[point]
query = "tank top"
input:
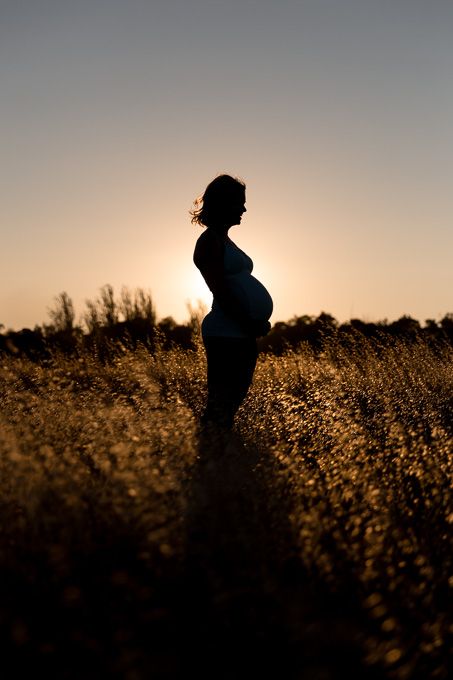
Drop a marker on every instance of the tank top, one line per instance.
(252, 294)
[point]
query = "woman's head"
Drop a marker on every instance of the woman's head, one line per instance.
(222, 203)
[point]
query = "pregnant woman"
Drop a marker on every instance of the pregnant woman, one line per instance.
(241, 305)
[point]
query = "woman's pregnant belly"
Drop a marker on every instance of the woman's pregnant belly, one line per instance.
(252, 294)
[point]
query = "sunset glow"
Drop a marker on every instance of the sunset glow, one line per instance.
(336, 115)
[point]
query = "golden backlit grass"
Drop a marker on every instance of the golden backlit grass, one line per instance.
(323, 523)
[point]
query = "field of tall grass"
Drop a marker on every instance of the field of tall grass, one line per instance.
(314, 542)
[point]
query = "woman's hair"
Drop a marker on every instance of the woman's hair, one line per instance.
(209, 208)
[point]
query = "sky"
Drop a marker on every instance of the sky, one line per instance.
(115, 115)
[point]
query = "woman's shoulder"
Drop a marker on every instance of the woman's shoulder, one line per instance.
(209, 244)
(209, 240)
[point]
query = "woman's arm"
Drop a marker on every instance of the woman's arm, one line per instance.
(208, 257)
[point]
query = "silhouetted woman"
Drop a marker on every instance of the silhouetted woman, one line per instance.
(241, 305)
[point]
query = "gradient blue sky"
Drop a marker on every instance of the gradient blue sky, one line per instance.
(337, 114)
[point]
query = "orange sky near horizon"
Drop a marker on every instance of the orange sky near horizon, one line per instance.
(336, 115)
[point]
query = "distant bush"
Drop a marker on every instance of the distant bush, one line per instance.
(111, 325)
(108, 327)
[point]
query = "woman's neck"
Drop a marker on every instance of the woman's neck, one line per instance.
(222, 231)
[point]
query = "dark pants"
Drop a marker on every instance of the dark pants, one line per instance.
(231, 363)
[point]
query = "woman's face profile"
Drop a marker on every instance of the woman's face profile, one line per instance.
(235, 210)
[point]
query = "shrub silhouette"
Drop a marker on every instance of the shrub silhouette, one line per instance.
(111, 325)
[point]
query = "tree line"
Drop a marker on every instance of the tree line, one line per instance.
(108, 325)
(111, 324)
